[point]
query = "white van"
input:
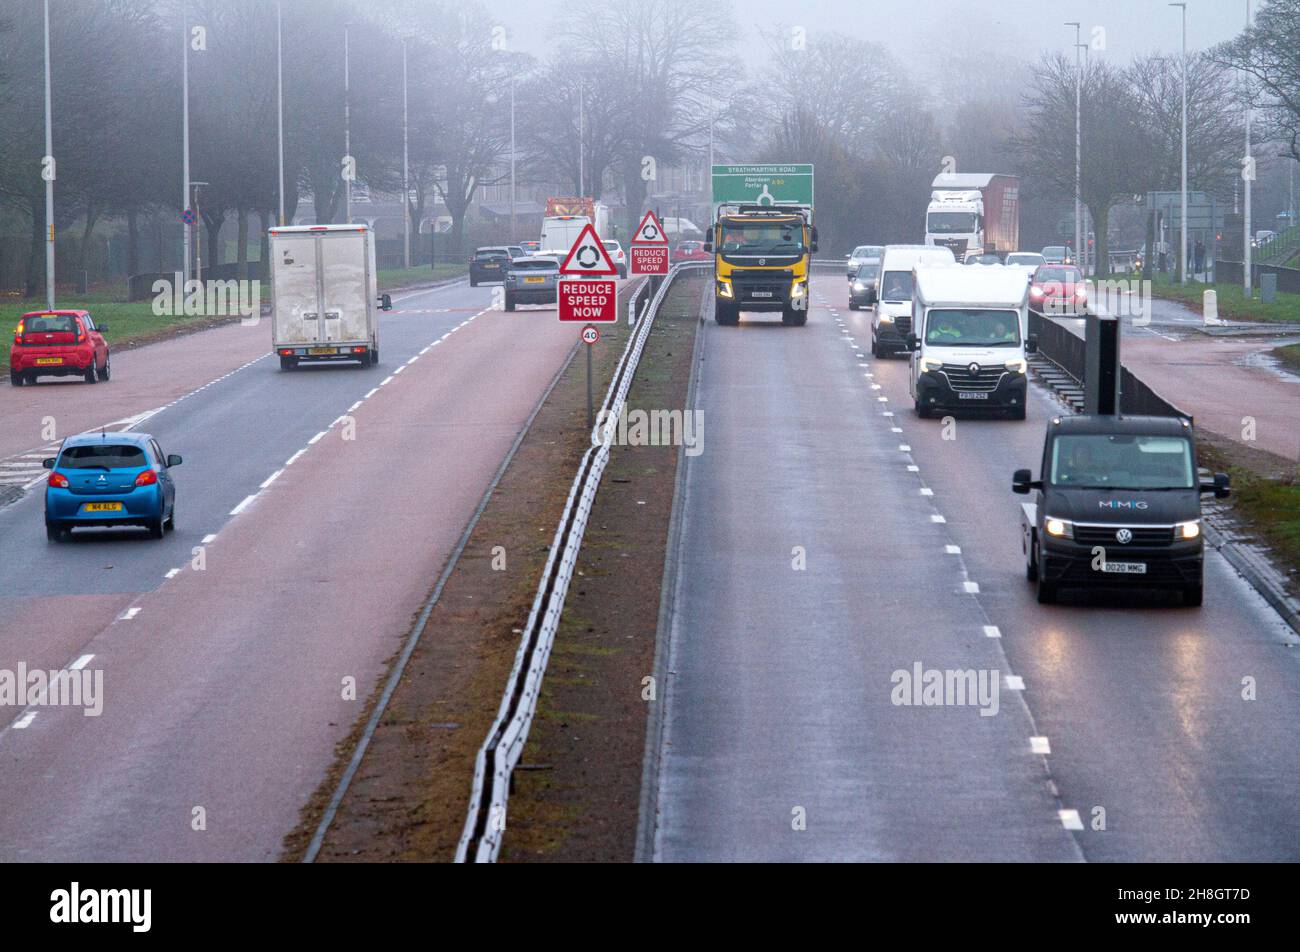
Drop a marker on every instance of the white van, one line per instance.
(891, 321)
(325, 295)
(969, 339)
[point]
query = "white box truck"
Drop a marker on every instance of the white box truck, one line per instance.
(325, 294)
(970, 339)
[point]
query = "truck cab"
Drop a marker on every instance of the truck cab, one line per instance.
(1117, 504)
(969, 340)
(762, 255)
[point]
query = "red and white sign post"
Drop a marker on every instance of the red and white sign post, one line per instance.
(650, 247)
(587, 293)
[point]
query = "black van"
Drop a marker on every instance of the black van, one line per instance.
(1118, 504)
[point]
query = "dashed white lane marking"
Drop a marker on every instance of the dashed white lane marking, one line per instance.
(317, 438)
(935, 517)
(992, 631)
(210, 538)
(292, 459)
(896, 429)
(927, 491)
(904, 448)
(371, 394)
(1070, 819)
(398, 370)
(129, 613)
(414, 359)
(952, 550)
(353, 408)
(1039, 745)
(971, 588)
(248, 500)
(882, 399)
(172, 573)
(386, 381)
(888, 413)
(272, 478)
(913, 468)
(1013, 682)
(25, 720)
(81, 662)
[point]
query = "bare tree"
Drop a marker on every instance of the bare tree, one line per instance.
(1267, 53)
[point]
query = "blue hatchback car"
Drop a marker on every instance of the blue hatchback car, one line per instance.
(110, 479)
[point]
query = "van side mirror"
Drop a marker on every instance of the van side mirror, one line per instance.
(48, 463)
(708, 247)
(385, 302)
(1031, 344)
(913, 343)
(1221, 487)
(1022, 481)
(814, 247)
(174, 460)
(872, 296)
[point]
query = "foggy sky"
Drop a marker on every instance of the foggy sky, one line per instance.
(916, 29)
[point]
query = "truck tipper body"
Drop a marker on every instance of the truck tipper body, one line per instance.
(325, 294)
(974, 212)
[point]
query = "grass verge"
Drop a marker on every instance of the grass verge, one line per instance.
(1289, 357)
(1233, 303)
(405, 277)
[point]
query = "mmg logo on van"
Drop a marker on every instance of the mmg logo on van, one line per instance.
(74, 905)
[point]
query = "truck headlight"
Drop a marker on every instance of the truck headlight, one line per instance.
(1017, 366)
(1060, 528)
(799, 289)
(1188, 530)
(929, 365)
(724, 289)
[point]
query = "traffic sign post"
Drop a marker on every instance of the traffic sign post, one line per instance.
(586, 293)
(590, 334)
(763, 184)
(649, 247)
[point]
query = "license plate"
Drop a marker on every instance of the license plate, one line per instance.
(762, 294)
(534, 280)
(320, 351)
(1124, 568)
(49, 360)
(973, 396)
(101, 507)
(491, 267)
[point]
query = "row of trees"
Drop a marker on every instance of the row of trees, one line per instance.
(659, 79)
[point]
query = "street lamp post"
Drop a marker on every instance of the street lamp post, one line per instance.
(279, 99)
(1248, 175)
(406, 172)
(582, 170)
(1078, 142)
(198, 236)
(185, 136)
(48, 172)
(347, 126)
(1182, 242)
(512, 158)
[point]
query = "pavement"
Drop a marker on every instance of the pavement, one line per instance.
(314, 510)
(1124, 729)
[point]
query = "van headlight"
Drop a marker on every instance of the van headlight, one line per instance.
(859, 286)
(929, 365)
(1188, 530)
(724, 289)
(1017, 366)
(1059, 528)
(886, 318)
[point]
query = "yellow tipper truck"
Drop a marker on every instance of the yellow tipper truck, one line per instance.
(762, 248)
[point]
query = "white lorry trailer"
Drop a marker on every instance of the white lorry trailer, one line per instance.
(325, 294)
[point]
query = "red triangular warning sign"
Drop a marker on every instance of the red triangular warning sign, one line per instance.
(588, 256)
(650, 231)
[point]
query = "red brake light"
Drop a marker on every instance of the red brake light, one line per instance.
(147, 478)
(58, 480)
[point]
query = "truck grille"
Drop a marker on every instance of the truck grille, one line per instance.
(1142, 535)
(770, 285)
(985, 379)
(903, 325)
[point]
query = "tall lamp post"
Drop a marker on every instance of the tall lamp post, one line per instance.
(48, 172)
(1248, 174)
(406, 172)
(198, 236)
(347, 126)
(185, 136)
(512, 158)
(1078, 142)
(279, 99)
(1182, 242)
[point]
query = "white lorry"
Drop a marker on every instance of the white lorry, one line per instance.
(891, 299)
(566, 217)
(969, 339)
(325, 294)
(974, 213)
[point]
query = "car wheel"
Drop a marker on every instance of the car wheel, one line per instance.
(1194, 595)
(922, 412)
(16, 378)
(108, 369)
(90, 372)
(1047, 591)
(157, 529)
(875, 347)
(473, 283)
(1031, 567)
(54, 533)
(170, 524)
(852, 306)
(510, 303)
(1017, 412)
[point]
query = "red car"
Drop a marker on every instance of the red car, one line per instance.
(58, 344)
(690, 251)
(1058, 289)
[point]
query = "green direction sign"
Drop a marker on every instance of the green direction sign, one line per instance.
(763, 184)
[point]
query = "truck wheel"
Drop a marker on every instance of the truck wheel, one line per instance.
(364, 359)
(726, 314)
(1194, 595)
(288, 363)
(852, 306)
(793, 318)
(374, 355)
